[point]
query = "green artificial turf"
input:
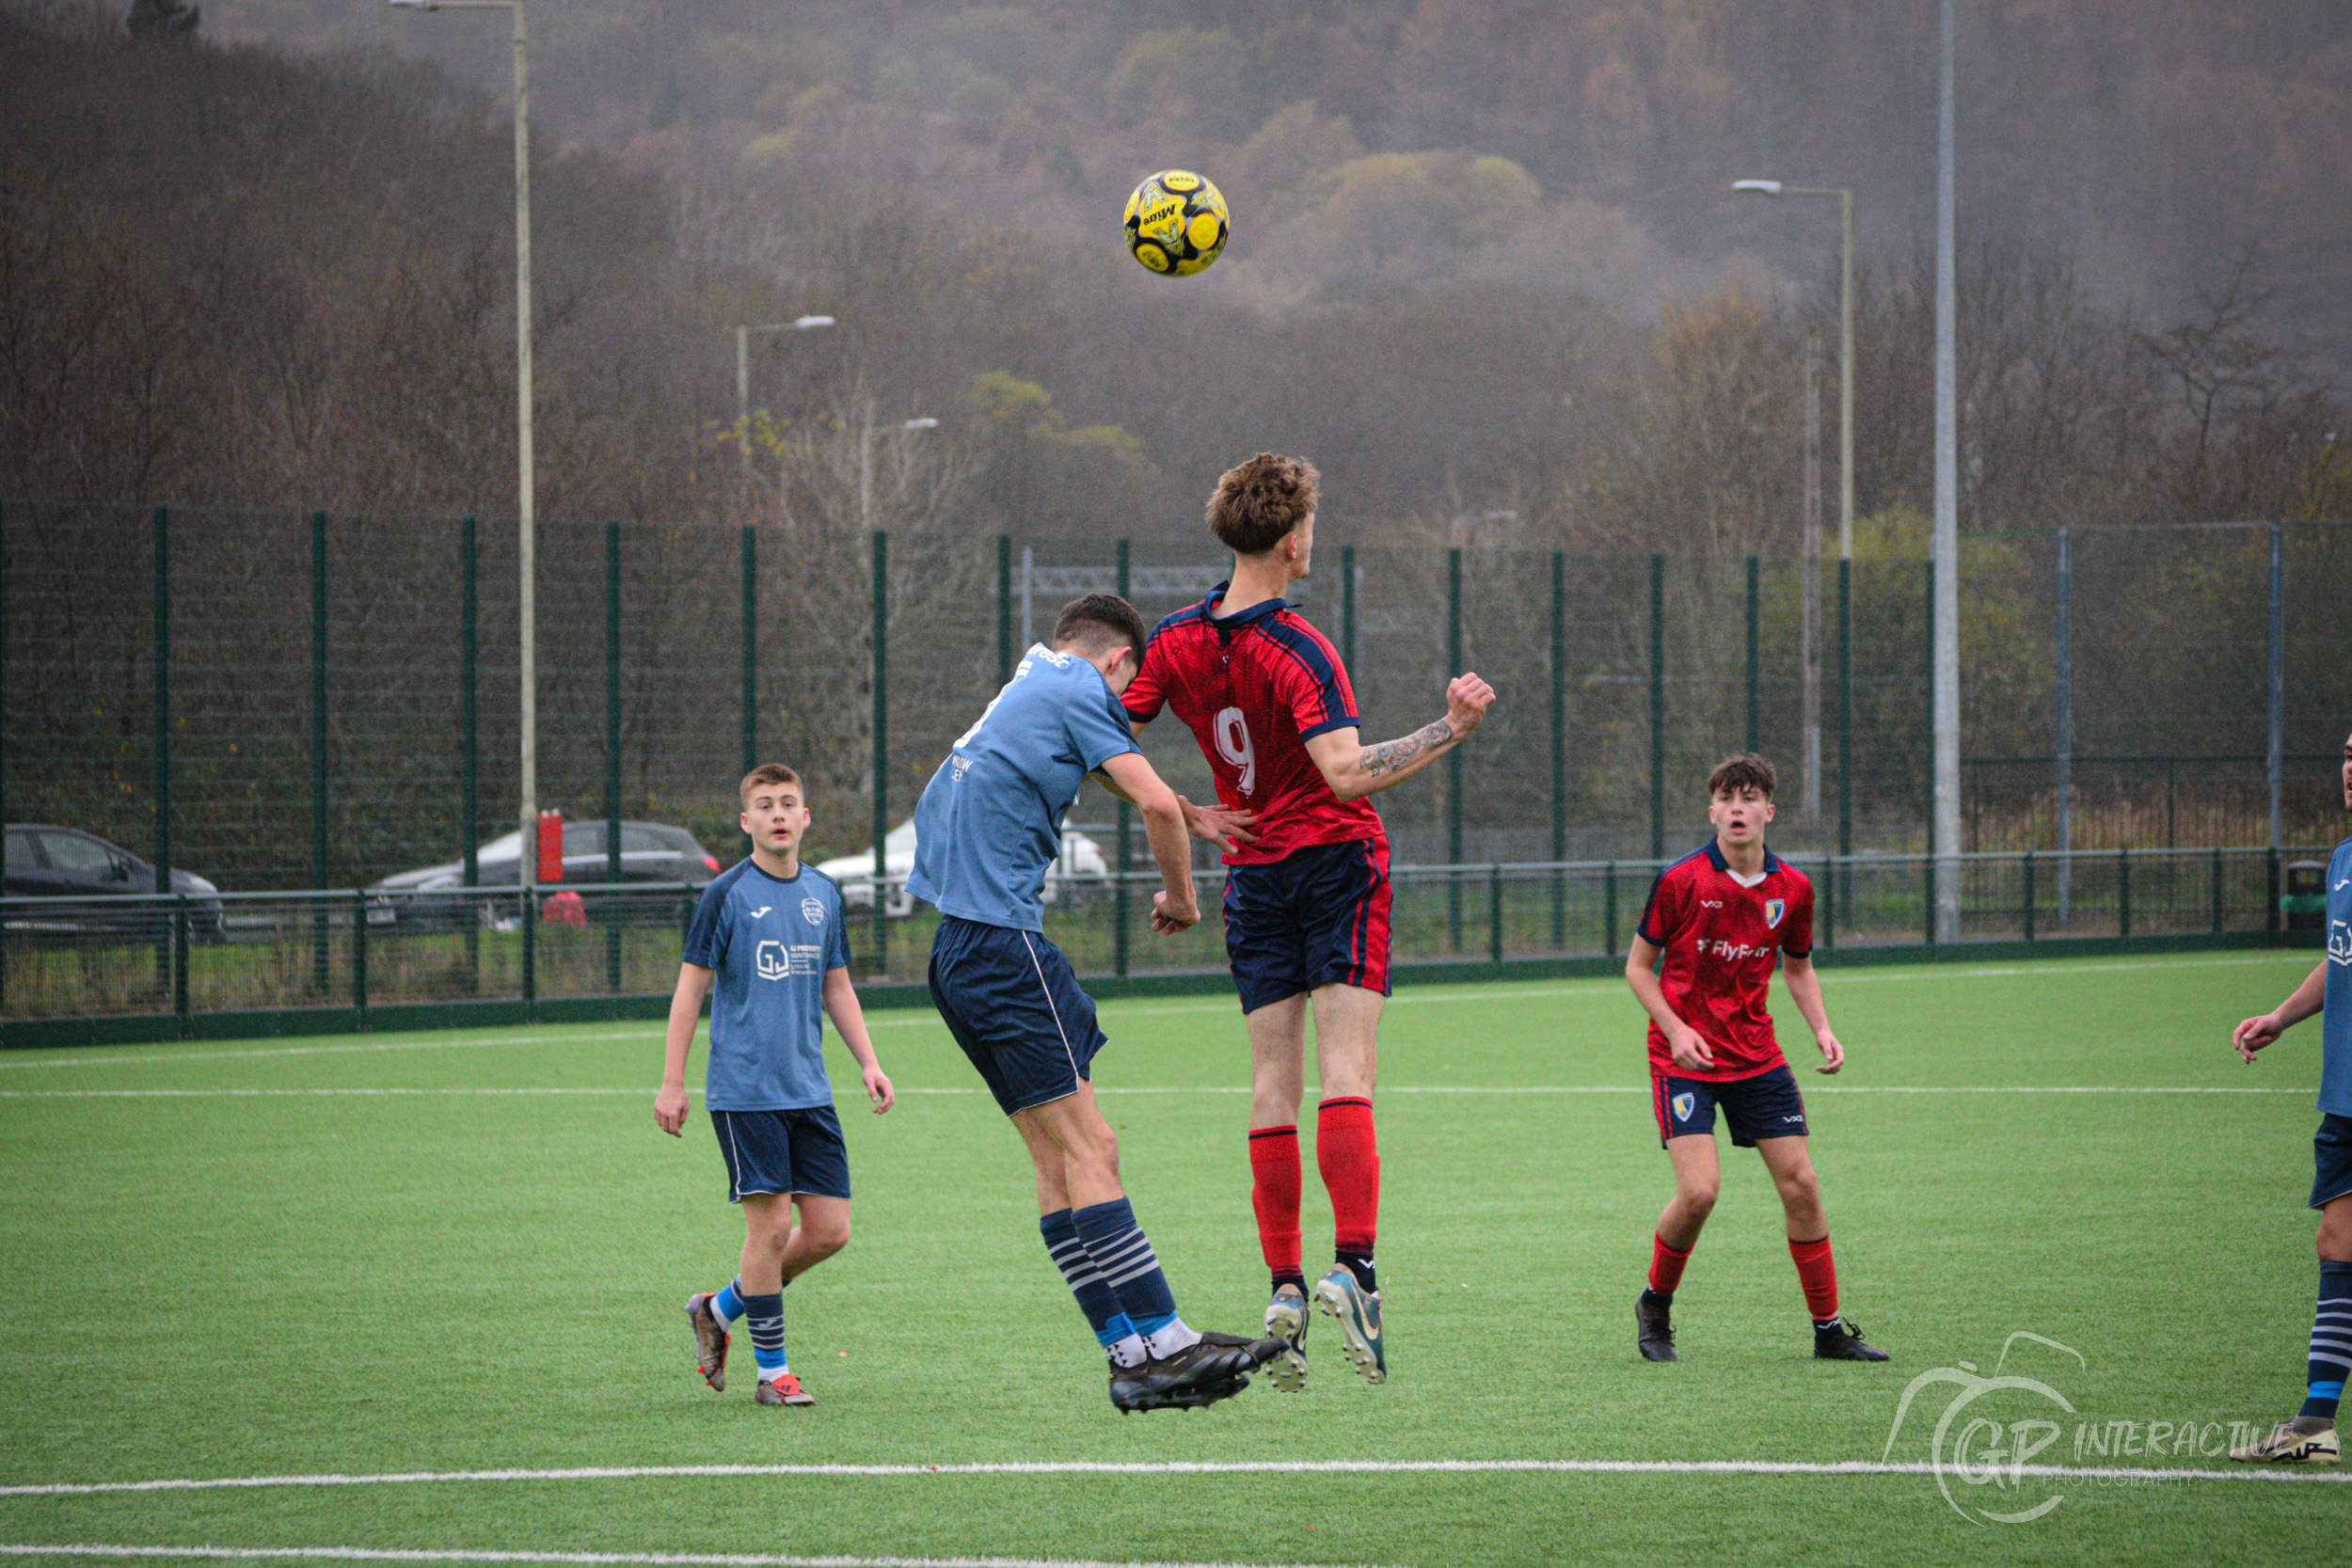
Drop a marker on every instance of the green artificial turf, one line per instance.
(204, 1284)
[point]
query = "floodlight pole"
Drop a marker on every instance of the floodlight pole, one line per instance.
(1947, 552)
(526, 551)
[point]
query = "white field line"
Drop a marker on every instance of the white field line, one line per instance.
(1171, 1468)
(1211, 1088)
(1598, 987)
(660, 1559)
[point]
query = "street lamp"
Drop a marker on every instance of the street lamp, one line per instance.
(743, 374)
(1845, 479)
(866, 463)
(527, 485)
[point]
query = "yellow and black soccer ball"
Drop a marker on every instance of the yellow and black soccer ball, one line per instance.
(1176, 223)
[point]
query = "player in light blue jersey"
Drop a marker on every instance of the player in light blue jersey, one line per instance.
(988, 826)
(767, 946)
(2309, 1438)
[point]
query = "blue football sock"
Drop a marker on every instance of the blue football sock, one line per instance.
(1095, 1296)
(727, 1305)
(764, 1315)
(2331, 1342)
(1122, 1254)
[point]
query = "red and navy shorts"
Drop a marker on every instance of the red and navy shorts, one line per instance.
(1317, 915)
(1765, 1106)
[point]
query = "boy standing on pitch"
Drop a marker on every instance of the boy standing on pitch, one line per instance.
(769, 935)
(1720, 917)
(1307, 879)
(2309, 1437)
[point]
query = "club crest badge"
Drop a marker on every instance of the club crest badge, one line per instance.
(812, 912)
(1682, 1103)
(1774, 910)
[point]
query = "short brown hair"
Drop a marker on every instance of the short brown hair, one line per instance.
(1259, 501)
(1094, 622)
(769, 773)
(1748, 770)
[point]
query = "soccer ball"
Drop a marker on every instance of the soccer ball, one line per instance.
(1176, 223)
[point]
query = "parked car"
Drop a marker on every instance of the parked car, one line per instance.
(1081, 862)
(650, 852)
(66, 864)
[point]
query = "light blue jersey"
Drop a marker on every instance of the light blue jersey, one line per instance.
(990, 821)
(2335, 1023)
(771, 943)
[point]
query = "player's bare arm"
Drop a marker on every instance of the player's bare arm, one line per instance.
(2265, 1028)
(686, 1011)
(1689, 1048)
(1804, 989)
(849, 1019)
(1354, 771)
(1216, 825)
(1174, 908)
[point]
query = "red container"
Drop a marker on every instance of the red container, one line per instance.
(550, 847)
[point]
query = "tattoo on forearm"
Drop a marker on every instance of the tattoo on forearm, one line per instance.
(1391, 756)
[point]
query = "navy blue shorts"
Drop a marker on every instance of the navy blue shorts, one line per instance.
(1765, 1106)
(2332, 1159)
(1317, 915)
(1012, 1003)
(783, 1151)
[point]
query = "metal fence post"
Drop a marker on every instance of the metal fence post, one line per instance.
(1827, 935)
(2029, 898)
(1755, 715)
(1657, 708)
(470, 763)
(1927, 892)
(162, 715)
(167, 947)
(1845, 720)
(1453, 757)
(2278, 685)
(179, 961)
(750, 655)
(2270, 897)
(1927, 708)
(2217, 890)
(1493, 913)
(528, 902)
(318, 748)
(2063, 771)
(613, 753)
(1347, 609)
(881, 759)
(1003, 609)
(1559, 749)
(4, 685)
(360, 954)
(1609, 908)
(2124, 892)
(1127, 838)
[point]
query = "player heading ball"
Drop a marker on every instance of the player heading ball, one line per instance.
(1720, 918)
(1305, 883)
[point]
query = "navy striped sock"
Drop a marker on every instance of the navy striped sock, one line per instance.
(1123, 1255)
(764, 1317)
(2331, 1342)
(1096, 1299)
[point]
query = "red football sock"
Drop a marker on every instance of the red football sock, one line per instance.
(1274, 1184)
(1665, 1266)
(1349, 1158)
(1818, 1276)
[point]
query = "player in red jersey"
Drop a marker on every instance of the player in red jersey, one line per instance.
(1307, 879)
(1720, 916)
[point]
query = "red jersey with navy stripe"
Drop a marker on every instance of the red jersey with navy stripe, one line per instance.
(1255, 687)
(1722, 940)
